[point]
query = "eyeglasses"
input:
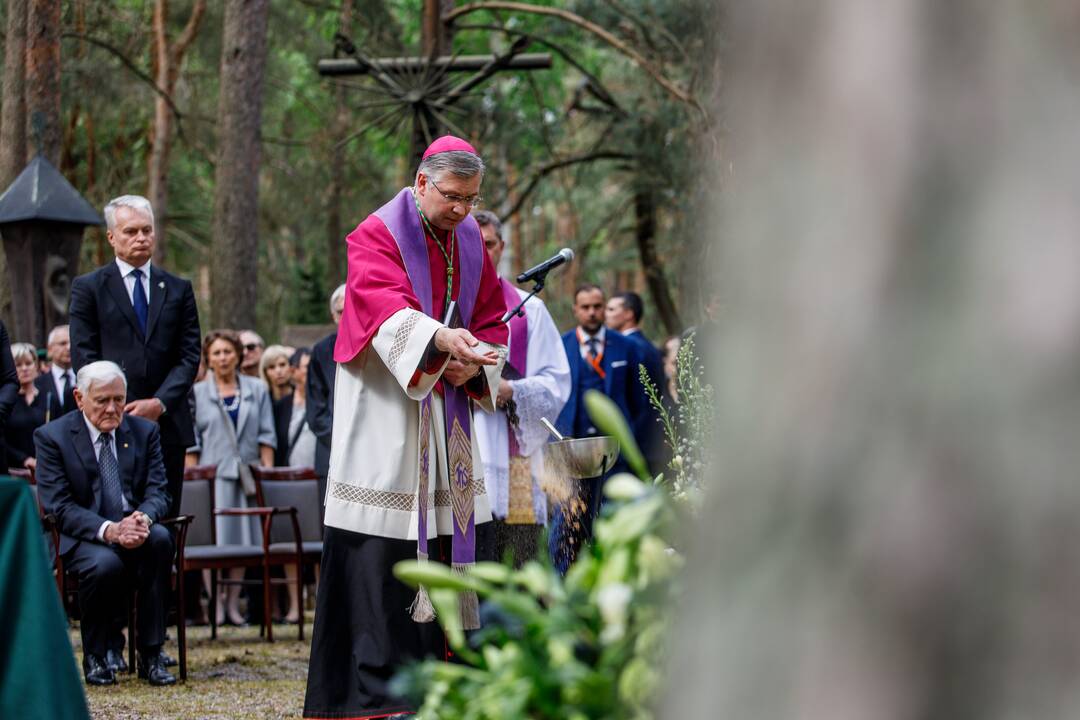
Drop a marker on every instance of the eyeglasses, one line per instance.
(251, 347)
(471, 202)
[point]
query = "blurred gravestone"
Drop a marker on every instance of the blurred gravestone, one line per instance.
(894, 524)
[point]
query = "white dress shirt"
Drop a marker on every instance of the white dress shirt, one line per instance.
(129, 279)
(94, 435)
(67, 377)
(583, 341)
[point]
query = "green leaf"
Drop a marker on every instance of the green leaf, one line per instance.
(630, 523)
(436, 575)
(624, 486)
(609, 418)
(492, 572)
(447, 610)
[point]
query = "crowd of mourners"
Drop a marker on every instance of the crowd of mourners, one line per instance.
(227, 399)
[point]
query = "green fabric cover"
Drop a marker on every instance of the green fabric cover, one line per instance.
(39, 676)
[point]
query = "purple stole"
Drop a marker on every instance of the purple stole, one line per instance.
(401, 218)
(520, 492)
(519, 343)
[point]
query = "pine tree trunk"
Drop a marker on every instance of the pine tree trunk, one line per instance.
(12, 122)
(161, 136)
(651, 264)
(335, 239)
(893, 516)
(167, 59)
(234, 273)
(13, 117)
(43, 79)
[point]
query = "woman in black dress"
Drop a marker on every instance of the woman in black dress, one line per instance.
(30, 411)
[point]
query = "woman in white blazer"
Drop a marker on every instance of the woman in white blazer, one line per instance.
(234, 425)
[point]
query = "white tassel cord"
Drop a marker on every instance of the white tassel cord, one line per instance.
(468, 601)
(421, 610)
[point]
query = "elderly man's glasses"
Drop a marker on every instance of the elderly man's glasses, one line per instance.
(471, 201)
(251, 347)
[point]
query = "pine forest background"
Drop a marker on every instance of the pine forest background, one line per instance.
(600, 153)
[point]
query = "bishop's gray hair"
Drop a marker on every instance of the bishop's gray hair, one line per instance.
(456, 162)
(102, 371)
(135, 202)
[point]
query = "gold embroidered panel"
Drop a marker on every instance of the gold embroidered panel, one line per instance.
(392, 500)
(401, 339)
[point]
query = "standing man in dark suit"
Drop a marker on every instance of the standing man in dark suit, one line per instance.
(58, 383)
(9, 389)
(623, 313)
(145, 320)
(600, 359)
(320, 391)
(102, 476)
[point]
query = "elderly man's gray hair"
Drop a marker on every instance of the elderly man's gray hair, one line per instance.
(135, 202)
(458, 162)
(102, 371)
(337, 296)
(55, 333)
(485, 218)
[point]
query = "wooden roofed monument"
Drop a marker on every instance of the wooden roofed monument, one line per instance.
(42, 219)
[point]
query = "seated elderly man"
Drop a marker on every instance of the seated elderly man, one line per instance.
(101, 474)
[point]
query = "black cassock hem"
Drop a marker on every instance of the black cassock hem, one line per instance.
(363, 631)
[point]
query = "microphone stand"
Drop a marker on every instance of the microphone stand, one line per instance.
(520, 309)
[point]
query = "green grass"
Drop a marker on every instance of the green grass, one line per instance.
(239, 675)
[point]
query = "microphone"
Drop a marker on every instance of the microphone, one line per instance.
(540, 271)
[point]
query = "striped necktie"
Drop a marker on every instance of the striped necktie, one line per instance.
(112, 494)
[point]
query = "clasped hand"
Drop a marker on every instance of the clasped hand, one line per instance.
(464, 362)
(131, 532)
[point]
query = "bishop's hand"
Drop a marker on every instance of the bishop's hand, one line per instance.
(459, 342)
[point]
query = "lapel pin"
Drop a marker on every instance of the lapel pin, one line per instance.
(161, 284)
(125, 446)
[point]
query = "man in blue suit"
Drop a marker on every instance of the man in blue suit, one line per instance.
(144, 319)
(57, 384)
(600, 359)
(102, 476)
(320, 393)
(623, 313)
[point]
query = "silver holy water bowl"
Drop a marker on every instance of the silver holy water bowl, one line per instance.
(581, 458)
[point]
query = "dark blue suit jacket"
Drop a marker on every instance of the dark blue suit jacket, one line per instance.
(9, 390)
(650, 358)
(163, 363)
(320, 399)
(58, 406)
(653, 445)
(620, 364)
(69, 484)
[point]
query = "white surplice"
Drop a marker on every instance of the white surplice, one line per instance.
(541, 393)
(374, 469)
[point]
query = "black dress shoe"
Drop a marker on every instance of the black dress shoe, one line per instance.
(115, 660)
(96, 671)
(168, 659)
(152, 669)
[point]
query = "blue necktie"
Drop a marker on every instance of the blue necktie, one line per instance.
(112, 494)
(138, 300)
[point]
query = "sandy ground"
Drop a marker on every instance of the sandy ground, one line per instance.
(238, 675)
